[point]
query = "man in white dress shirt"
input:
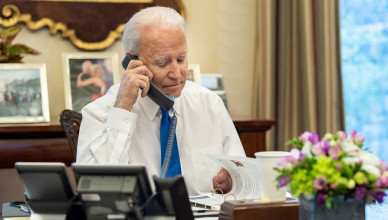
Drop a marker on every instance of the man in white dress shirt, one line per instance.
(123, 126)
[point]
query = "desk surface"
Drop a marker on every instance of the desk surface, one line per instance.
(11, 189)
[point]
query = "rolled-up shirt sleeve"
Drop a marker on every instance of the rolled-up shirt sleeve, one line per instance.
(106, 141)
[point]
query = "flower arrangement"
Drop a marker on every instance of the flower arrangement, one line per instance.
(331, 166)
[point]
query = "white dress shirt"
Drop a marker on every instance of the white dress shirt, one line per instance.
(114, 135)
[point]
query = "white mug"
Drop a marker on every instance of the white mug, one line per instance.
(267, 161)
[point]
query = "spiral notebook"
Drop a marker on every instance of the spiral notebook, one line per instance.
(245, 176)
(14, 213)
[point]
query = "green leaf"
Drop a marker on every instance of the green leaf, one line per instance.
(295, 141)
(15, 50)
(346, 171)
(25, 49)
(10, 32)
(12, 53)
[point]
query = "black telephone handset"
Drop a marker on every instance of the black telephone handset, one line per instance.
(154, 93)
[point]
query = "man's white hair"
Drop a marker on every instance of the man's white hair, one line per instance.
(159, 17)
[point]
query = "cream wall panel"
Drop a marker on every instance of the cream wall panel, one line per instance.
(220, 36)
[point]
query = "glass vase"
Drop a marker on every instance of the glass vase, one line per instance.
(342, 208)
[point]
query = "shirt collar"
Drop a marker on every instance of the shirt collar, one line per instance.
(149, 106)
(152, 109)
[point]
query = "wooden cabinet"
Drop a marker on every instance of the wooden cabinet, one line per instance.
(48, 143)
(42, 142)
(253, 134)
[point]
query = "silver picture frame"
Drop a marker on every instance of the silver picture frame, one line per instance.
(88, 76)
(193, 73)
(23, 93)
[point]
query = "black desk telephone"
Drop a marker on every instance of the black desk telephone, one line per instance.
(154, 93)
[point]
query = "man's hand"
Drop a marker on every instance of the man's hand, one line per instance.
(222, 181)
(136, 76)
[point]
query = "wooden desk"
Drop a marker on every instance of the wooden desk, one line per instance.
(248, 209)
(48, 143)
(11, 188)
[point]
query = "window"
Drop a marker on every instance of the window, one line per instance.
(364, 50)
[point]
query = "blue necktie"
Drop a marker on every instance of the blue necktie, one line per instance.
(174, 165)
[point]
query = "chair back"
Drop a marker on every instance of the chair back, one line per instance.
(70, 122)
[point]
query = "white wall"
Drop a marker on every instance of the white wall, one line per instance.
(220, 36)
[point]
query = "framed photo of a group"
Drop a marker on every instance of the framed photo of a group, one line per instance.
(88, 76)
(23, 93)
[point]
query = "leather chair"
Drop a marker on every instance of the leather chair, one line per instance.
(70, 122)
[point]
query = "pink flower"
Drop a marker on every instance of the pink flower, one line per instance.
(353, 133)
(383, 166)
(338, 166)
(301, 156)
(305, 136)
(284, 180)
(321, 148)
(320, 183)
(382, 182)
(333, 186)
(341, 135)
(311, 137)
(335, 151)
(314, 138)
(358, 138)
(283, 161)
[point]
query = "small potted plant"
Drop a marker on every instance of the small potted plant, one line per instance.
(332, 176)
(13, 53)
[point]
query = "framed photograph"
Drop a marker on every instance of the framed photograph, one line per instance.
(212, 81)
(88, 76)
(215, 82)
(193, 73)
(23, 93)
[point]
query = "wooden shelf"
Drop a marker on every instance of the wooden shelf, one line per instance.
(44, 142)
(47, 142)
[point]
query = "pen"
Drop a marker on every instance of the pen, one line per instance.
(21, 205)
(199, 205)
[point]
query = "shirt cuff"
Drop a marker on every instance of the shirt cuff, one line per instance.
(121, 119)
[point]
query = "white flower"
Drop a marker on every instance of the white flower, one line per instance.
(369, 162)
(371, 169)
(351, 160)
(295, 153)
(350, 148)
(306, 150)
(369, 158)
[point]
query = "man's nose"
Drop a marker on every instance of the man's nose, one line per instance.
(175, 71)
